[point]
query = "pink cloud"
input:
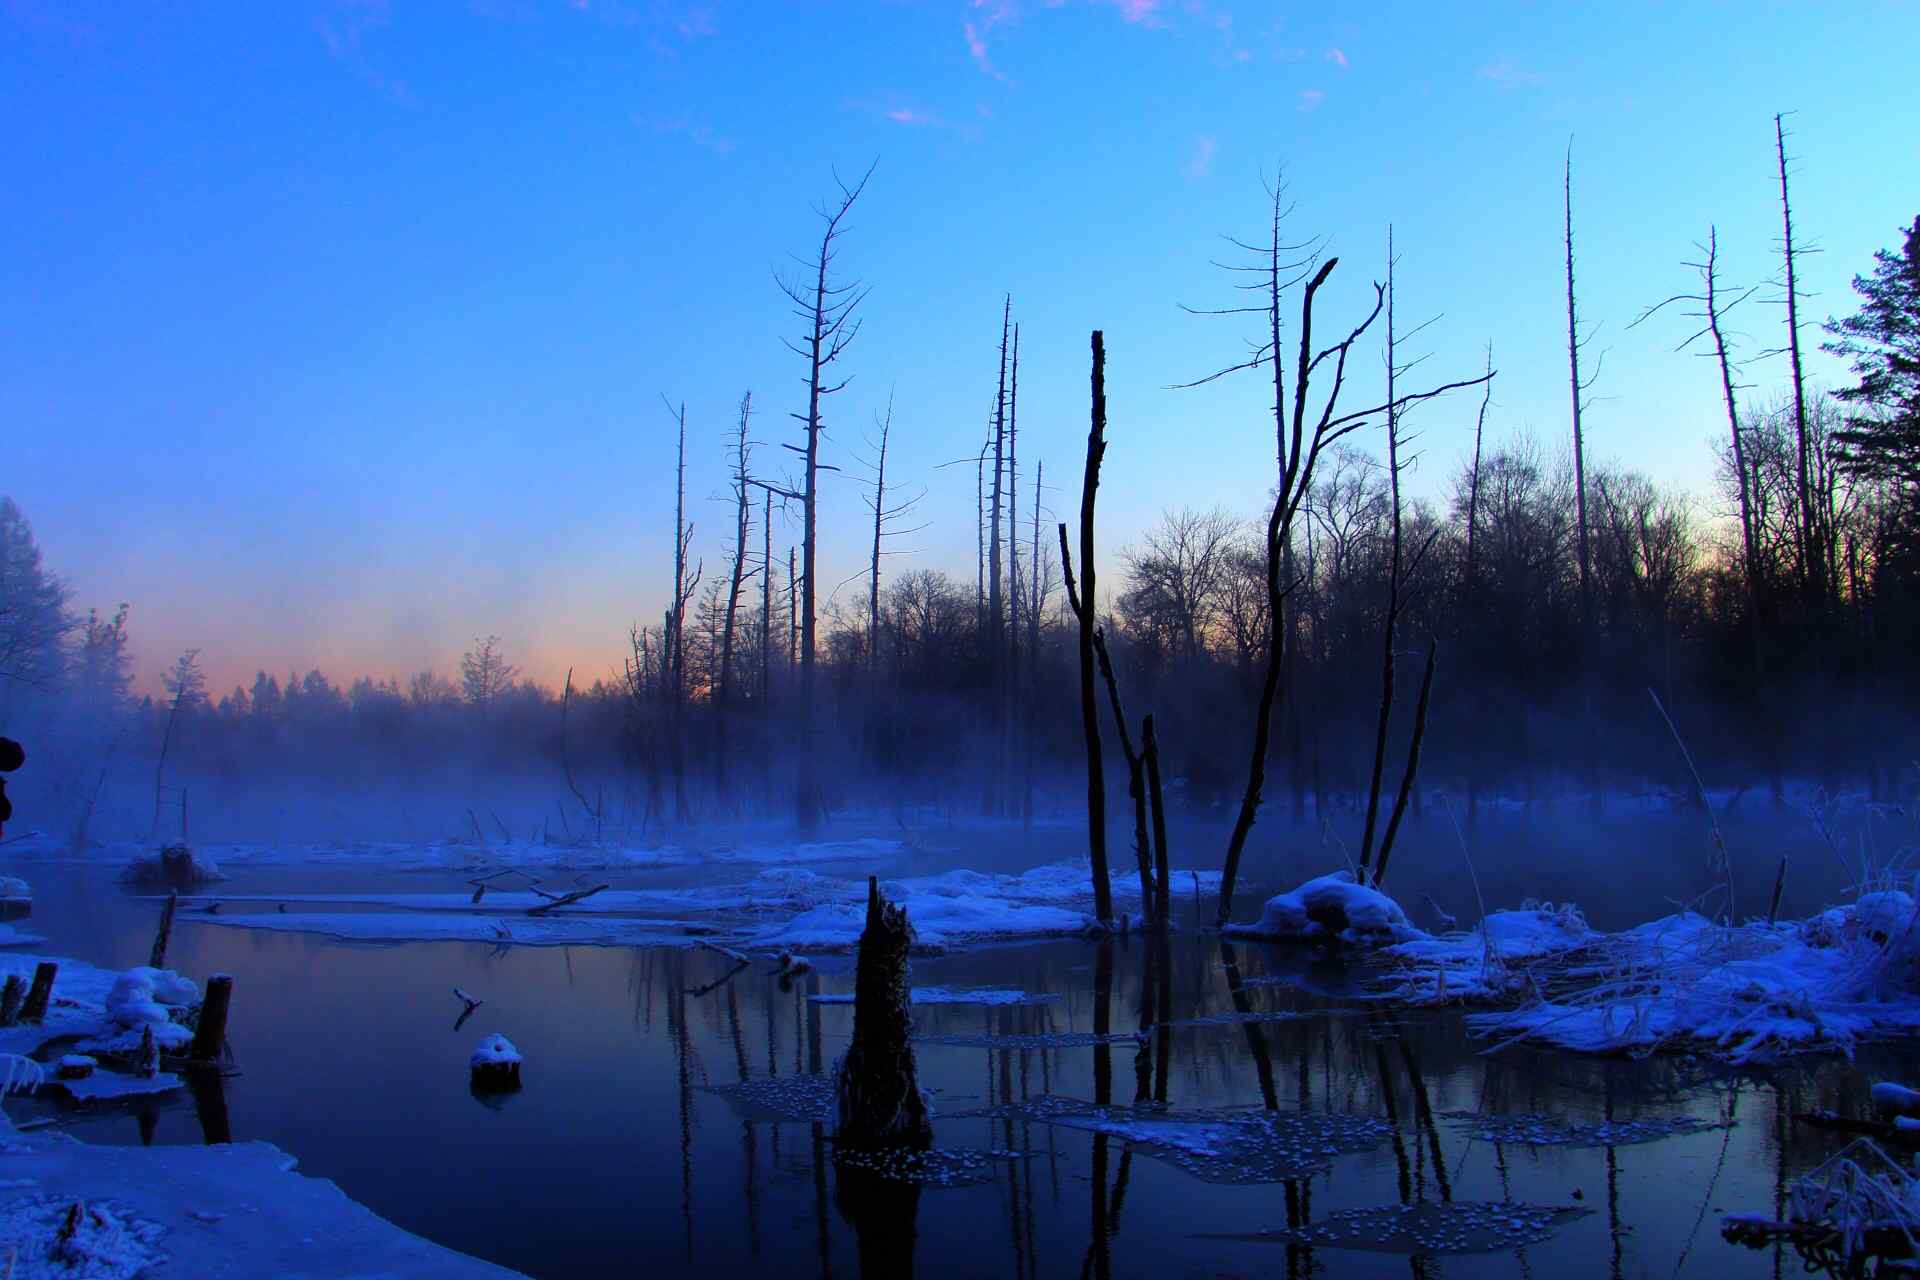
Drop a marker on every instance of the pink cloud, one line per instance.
(911, 117)
(1337, 57)
(1136, 11)
(1311, 98)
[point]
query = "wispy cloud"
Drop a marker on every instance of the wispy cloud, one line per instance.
(987, 21)
(1502, 72)
(912, 117)
(1141, 12)
(1310, 99)
(1200, 158)
(1338, 57)
(343, 27)
(700, 135)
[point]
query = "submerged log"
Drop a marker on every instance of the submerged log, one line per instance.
(878, 1089)
(159, 958)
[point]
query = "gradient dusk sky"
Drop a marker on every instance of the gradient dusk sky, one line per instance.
(335, 334)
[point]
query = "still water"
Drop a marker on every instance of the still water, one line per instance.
(627, 1151)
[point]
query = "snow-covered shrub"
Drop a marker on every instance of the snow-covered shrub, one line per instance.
(1332, 908)
(174, 867)
(143, 997)
(19, 1074)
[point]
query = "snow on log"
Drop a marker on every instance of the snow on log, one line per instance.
(495, 1065)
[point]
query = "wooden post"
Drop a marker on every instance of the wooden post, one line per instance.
(12, 992)
(39, 993)
(211, 1037)
(159, 957)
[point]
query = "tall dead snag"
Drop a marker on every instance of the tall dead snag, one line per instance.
(674, 658)
(1413, 764)
(1301, 438)
(1162, 886)
(877, 1091)
(1083, 601)
(884, 518)
(1040, 584)
(1473, 477)
(1812, 555)
(1399, 572)
(1136, 774)
(996, 598)
(742, 528)
(827, 310)
(1010, 691)
(1712, 307)
(1579, 389)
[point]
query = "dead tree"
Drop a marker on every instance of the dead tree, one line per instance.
(1040, 585)
(1579, 390)
(996, 600)
(566, 764)
(1011, 687)
(1408, 777)
(187, 685)
(827, 309)
(674, 659)
(1473, 477)
(1084, 602)
(766, 600)
(884, 517)
(742, 527)
(1136, 774)
(1301, 438)
(1811, 553)
(877, 1090)
(1398, 574)
(1711, 310)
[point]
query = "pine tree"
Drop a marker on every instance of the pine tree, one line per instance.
(1882, 339)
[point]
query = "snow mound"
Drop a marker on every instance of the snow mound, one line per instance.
(143, 998)
(65, 1238)
(14, 889)
(1741, 992)
(1332, 908)
(1486, 961)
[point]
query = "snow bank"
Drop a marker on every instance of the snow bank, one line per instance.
(12, 937)
(1740, 992)
(1490, 961)
(14, 889)
(1332, 908)
(197, 1211)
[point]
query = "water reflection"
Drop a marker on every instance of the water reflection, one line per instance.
(619, 1154)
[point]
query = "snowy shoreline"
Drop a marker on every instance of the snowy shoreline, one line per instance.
(229, 1209)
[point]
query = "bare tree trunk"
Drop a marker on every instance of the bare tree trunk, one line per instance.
(1579, 439)
(1390, 627)
(828, 309)
(1084, 603)
(1136, 776)
(676, 644)
(766, 604)
(1034, 605)
(1407, 779)
(1810, 553)
(743, 521)
(1162, 888)
(878, 1092)
(879, 524)
(1010, 691)
(996, 637)
(1473, 480)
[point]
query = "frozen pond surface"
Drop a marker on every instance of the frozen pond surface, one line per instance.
(632, 1146)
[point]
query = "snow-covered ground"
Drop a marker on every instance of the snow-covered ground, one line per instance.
(233, 1210)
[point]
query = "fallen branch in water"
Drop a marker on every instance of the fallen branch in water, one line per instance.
(562, 900)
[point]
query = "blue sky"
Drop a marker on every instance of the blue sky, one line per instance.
(335, 333)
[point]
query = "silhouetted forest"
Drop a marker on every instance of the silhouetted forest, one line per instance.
(1777, 618)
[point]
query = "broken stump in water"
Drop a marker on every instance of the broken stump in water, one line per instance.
(877, 1089)
(40, 993)
(495, 1066)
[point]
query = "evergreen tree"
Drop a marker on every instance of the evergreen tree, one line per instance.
(1882, 339)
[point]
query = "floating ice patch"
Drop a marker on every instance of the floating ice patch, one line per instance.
(804, 1098)
(993, 996)
(1234, 1147)
(1233, 1017)
(1418, 1229)
(936, 1167)
(107, 1085)
(12, 937)
(1541, 1131)
(1022, 1043)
